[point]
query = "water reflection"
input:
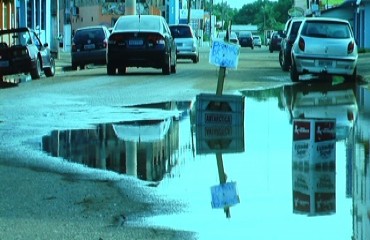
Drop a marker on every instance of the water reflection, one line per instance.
(273, 183)
(147, 148)
(321, 114)
(360, 169)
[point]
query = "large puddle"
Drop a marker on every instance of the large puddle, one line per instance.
(250, 166)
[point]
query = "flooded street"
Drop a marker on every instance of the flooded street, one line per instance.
(287, 186)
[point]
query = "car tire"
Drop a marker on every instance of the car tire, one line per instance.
(166, 68)
(82, 66)
(352, 78)
(111, 70)
(294, 75)
(196, 59)
(50, 71)
(283, 64)
(122, 70)
(74, 66)
(36, 72)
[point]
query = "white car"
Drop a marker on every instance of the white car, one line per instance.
(324, 46)
(186, 42)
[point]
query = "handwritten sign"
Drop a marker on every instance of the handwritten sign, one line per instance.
(224, 195)
(224, 54)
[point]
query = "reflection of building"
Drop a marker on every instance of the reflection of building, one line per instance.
(361, 169)
(148, 158)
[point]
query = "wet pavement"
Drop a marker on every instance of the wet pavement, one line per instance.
(295, 160)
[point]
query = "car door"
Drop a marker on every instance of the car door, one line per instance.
(43, 50)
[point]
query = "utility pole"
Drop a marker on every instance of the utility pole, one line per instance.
(130, 7)
(189, 7)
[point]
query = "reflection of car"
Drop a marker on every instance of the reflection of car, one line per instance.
(289, 37)
(324, 46)
(257, 41)
(141, 41)
(21, 51)
(233, 38)
(322, 100)
(186, 42)
(275, 41)
(89, 45)
(246, 39)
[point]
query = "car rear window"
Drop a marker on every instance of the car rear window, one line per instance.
(95, 35)
(181, 32)
(138, 23)
(245, 34)
(322, 29)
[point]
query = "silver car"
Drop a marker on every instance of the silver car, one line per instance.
(186, 42)
(324, 46)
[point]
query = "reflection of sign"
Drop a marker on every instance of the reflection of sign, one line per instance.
(313, 141)
(314, 190)
(224, 54)
(224, 195)
(219, 123)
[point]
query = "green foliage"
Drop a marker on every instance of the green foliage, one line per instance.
(263, 13)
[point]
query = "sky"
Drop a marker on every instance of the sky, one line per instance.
(234, 3)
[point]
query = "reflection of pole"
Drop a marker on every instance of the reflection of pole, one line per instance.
(131, 158)
(222, 177)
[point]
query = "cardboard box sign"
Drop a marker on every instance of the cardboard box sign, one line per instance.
(224, 195)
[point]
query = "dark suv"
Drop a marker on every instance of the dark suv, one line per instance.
(89, 46)
(275, 41)
(246, 39)
(289, 36)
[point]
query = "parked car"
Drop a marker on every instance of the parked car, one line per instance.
(186, 42)
(141, 41)
(324, 46)
(275, 41)
(246, 39)
(21, 51)
(89, 46)
(257, 41)
(289, 36)
(233, 37)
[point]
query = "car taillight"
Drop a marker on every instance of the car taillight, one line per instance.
(351, 47)
(155, 39)
(105, 43)
(74, 47)
(115, 39)
(350, 116)
(301, 44)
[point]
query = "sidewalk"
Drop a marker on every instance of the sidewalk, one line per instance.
(63, 62)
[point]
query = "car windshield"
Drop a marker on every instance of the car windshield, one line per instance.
(138, 23)
(96, 35)
(14, 38)
(223, 35)
(181, 32)
(323, 29)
